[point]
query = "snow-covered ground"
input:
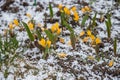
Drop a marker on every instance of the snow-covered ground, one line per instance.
(76, 66)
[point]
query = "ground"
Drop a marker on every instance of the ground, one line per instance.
(83, 60)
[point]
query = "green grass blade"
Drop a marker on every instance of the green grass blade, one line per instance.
(109, 19)
(62, 16)
(108, 29)
(0, 51)
(94, 19)
(72, 36)
(49, 35)
(46, 53)
(84, 20)
(0, 43)
(35, 3)
(68, 26)
(13, 58)
(13, 42)
(38, 34)
(51, 10)
(6, 73)
(28, 31)
(115, 46)
(73, 40)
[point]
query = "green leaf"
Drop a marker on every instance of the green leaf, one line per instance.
(46, 53)
(108, 29)
(0, 51)
(73, 40)
(13, 58)
(6, 73)
(28, 31)
(13, 42)
(0, 43)
(84, 20)
(94, 19)
(115, 46)
(72, 36)
(51, 10)
(0, 60)
(35, 3)
(38, 34)
(50, 35)
(68, 26)
(109, 20)
(62, 16)
(97, 49)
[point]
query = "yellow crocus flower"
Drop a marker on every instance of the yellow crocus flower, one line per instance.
(39, 25)
(85, 39)
(15, 21)
(82, 33)
(111, 63)
(88, 32)
(11, 26)
(62, 40)
(83, 10)
(67, 11)
(5, 32)
(56, 25)
(73, 8)
(28, 15)
(87, 8)
(62, 55)
(30, 25)
(69, 43)
(90, 57)
(58, 31)
(60, 6)
(42, 42)
(97, 40)
(92, 37)
(48, 43)
(76, 16)
(42, 29)
(55, 28)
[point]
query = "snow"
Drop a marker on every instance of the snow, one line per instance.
(50, 67)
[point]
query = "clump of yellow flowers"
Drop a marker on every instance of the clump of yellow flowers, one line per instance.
(45, 43)
(86, 9)
(55, 28)
(13, 24)
(75, 13)
(68, 11)
(73, 9)
(94, 40)
(64, 9)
